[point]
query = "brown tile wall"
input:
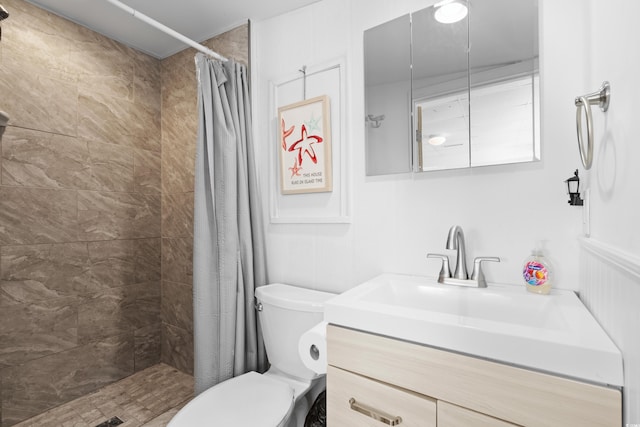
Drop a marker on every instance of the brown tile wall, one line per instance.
(97, 160)
(179, 134)
(80, 212)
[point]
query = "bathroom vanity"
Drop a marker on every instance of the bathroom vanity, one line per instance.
(424, 386)
(445, 356)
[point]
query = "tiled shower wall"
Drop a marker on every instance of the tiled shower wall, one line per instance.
(179, 133)
(80, 212)
(82, 208)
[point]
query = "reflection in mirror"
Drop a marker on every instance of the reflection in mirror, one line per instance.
(502, 122)
(475, 92)
(387, 53)
(504, 81)
(440, 90)
(489, 115)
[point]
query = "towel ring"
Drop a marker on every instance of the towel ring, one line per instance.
(600, 97)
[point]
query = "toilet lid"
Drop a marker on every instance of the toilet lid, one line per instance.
(248, 400)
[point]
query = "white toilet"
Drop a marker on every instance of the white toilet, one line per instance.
(280, 397)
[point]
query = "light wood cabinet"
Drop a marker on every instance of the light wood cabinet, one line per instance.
(462, 390)
(454, 416)
(358, 401)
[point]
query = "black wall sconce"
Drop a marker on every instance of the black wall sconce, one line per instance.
(573, 189)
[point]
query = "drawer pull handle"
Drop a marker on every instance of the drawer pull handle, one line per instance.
(373, 413)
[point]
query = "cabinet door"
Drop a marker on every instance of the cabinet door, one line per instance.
(454, 416)
(521, 396)
(356, 401)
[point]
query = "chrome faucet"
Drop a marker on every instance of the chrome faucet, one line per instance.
(455, 240)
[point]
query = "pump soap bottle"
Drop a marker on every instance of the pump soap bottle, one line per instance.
(537, 272)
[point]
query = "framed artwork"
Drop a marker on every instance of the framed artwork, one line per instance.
(305, 146)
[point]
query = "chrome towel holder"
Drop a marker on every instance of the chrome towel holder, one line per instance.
(600, 97)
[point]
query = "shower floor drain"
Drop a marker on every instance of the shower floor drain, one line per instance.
(115, 421)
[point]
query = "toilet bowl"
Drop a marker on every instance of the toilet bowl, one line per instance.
(281, 396)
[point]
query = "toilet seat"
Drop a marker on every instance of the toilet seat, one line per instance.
(251, 399)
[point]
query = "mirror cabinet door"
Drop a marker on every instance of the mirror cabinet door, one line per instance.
(504, 81)
(453, 95)
(387, 79)
(440, 91)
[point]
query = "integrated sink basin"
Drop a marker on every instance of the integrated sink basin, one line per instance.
(551, 333)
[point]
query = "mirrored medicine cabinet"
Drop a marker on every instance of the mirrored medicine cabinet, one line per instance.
(453, 95)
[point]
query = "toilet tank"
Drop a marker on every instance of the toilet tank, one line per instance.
(285, 313)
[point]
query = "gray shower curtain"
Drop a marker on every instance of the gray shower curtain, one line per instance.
(228, 242)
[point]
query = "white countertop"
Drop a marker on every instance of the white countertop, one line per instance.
(551, 333)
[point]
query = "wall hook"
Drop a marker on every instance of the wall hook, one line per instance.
(303, 70)
(374, 121)
(601, 97)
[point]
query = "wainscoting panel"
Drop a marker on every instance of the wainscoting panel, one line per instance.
(610, 288)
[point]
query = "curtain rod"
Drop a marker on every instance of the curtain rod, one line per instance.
(141, 16)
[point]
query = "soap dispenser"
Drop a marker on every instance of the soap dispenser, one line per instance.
(537, 271)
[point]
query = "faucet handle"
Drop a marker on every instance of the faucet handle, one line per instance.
(445, 270)
(478, 274)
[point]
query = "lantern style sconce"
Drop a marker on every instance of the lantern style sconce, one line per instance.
(573, 189)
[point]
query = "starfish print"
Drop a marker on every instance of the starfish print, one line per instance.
(305, 145)
(312, 124)
(285, 134)
(295, 170)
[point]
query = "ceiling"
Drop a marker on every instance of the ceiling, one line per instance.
(199, 20)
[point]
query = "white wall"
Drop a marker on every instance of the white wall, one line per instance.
(615, 176)
(398, 219)
(610, 260)
(503, 209)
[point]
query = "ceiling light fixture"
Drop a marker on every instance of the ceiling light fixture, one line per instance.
(436, 139)
(450, 11)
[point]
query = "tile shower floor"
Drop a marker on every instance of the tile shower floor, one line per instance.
(148, 398)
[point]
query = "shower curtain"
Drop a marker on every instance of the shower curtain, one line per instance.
(228, 243)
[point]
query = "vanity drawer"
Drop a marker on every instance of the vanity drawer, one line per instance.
(356, 401)
(454, 416)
